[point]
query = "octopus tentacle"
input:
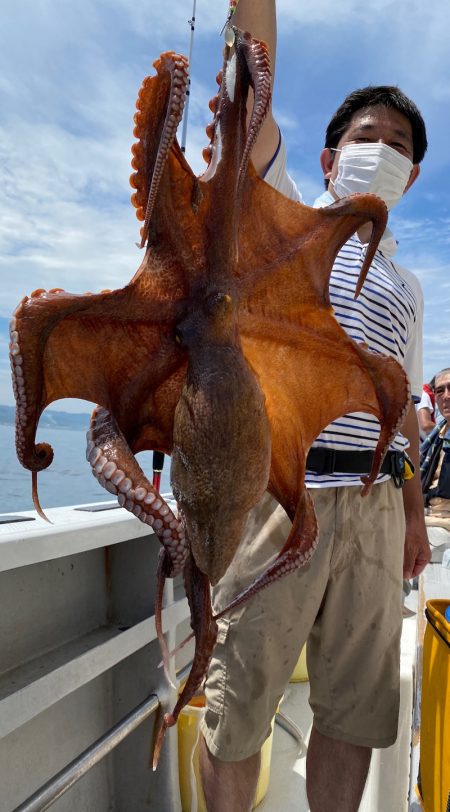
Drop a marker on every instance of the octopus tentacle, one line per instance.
(246, 63)
(391, 387)
(298, 550)
(258, 63)
(116, 469)
(155, 91)
(205, 632)
(229, 129)
(165, 568)
(366, 208)
(50, 329)
(27, 414)
(288, 239)
(35, 496)
(40, 312)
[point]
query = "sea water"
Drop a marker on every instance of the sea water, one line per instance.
(68, 480)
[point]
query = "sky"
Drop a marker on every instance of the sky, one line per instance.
(69, 77)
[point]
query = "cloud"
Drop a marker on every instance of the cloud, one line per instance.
(65, 139)
(66, 218)
(386, 14)
(429, 260)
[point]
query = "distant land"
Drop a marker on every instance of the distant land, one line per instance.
(49, 419)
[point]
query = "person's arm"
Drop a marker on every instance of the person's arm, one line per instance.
(259, 18)
(425, 422)
(417, 549)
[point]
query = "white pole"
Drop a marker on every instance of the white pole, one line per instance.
(188, 90)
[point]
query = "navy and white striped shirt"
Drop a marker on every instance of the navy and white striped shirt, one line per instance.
(387, 316)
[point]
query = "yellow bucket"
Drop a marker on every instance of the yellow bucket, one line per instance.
(300, 672)
(188, 739)
(435, 711)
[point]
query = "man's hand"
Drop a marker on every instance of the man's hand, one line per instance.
(417, 552)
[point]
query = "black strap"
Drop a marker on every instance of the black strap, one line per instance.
(329, 461)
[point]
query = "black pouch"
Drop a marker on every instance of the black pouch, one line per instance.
(398, 468)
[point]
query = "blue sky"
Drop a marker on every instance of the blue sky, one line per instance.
(69, 77)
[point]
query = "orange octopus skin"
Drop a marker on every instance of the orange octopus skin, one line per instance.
(213, 349)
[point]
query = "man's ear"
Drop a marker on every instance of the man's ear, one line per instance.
(327, 157)
(415, 172)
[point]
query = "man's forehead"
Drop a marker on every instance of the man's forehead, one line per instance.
(380, 116)
(441, 379)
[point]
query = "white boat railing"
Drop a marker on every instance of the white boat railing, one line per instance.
(44, 797)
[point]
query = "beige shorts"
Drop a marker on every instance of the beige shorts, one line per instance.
(347, 602)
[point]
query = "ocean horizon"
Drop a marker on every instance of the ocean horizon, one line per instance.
(68, 480)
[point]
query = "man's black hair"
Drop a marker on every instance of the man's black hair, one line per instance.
(388, 96)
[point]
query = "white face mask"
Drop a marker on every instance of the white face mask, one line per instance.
(374, 168)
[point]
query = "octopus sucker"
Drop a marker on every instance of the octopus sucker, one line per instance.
(175, 67)
(258, 64)
(215, 349)
(104, 444)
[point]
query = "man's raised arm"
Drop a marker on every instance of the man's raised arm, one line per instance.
(259, 18)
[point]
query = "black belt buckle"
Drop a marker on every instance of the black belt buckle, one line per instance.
(324, 460)
(398, 468)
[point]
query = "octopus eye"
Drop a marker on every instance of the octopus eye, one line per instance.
(218, 304)
(178, 337)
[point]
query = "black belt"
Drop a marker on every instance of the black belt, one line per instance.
(329, 461)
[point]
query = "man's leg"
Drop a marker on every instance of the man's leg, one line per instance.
(354, 647)
(228, 786)
(336, 774)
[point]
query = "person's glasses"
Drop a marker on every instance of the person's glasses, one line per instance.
(442, 388)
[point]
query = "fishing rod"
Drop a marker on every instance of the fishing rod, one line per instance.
(191, 22)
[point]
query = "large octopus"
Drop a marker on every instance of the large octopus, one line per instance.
(216, 349)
